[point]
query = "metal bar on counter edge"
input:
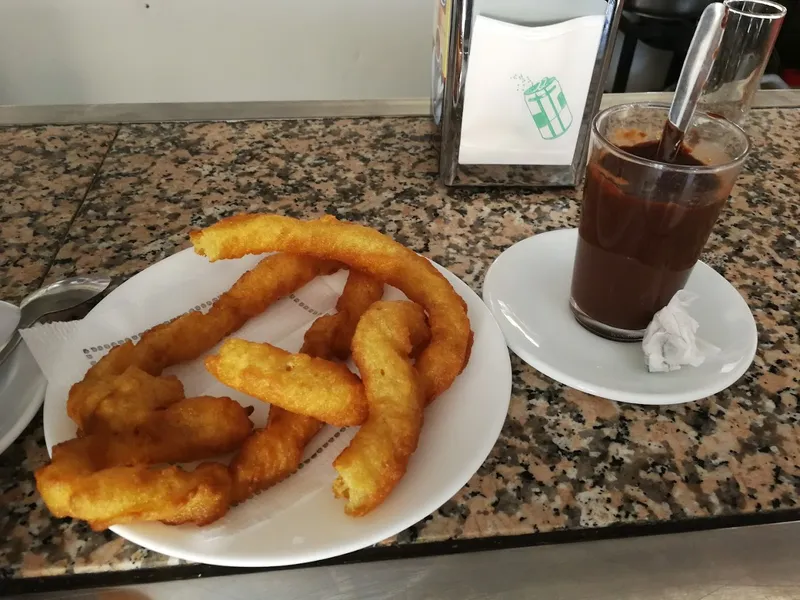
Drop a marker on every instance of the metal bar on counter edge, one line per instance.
(738, 562)
(11, 115)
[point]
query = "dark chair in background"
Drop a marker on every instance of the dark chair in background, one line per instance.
(662, 24)
(670, 24)
(788, 44)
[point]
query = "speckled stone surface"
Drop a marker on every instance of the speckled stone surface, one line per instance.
(565, 460)
(44, 174)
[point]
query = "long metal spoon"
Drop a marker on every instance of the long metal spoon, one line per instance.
(694, 75)
(62, 295)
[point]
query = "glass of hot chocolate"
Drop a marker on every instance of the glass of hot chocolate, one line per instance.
(643, 222)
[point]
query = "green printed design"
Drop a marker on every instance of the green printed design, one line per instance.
(548, 106)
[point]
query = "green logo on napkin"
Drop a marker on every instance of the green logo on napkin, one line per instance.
(547, 104)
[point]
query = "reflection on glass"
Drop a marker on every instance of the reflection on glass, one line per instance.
(751, 29)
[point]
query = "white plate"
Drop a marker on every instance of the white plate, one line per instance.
(527, 289)
(22, 384)
(460, 429)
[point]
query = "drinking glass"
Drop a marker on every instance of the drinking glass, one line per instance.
(751, 28)
(644, 223)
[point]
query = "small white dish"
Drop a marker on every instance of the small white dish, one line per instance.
(527, 290)
(22, 385)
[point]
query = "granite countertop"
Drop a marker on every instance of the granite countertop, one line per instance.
(89, 199)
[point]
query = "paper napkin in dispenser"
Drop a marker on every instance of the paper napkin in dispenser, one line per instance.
(526, 90)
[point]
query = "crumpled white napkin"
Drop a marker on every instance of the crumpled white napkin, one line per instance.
(670, 341)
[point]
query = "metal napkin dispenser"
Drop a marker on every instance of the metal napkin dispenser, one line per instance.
(515, 86)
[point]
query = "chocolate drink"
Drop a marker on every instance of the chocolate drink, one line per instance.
(641, 233)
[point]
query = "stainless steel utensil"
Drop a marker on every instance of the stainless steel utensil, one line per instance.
(62, 295)
(699, 60)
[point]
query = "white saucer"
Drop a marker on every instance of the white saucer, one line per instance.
(22, 384)
(527, 289)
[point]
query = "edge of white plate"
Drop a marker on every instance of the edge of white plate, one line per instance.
(8, 308)
(27, 416)
(658, 399)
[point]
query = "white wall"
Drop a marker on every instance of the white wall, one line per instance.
(112, 51)
(121, 51)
